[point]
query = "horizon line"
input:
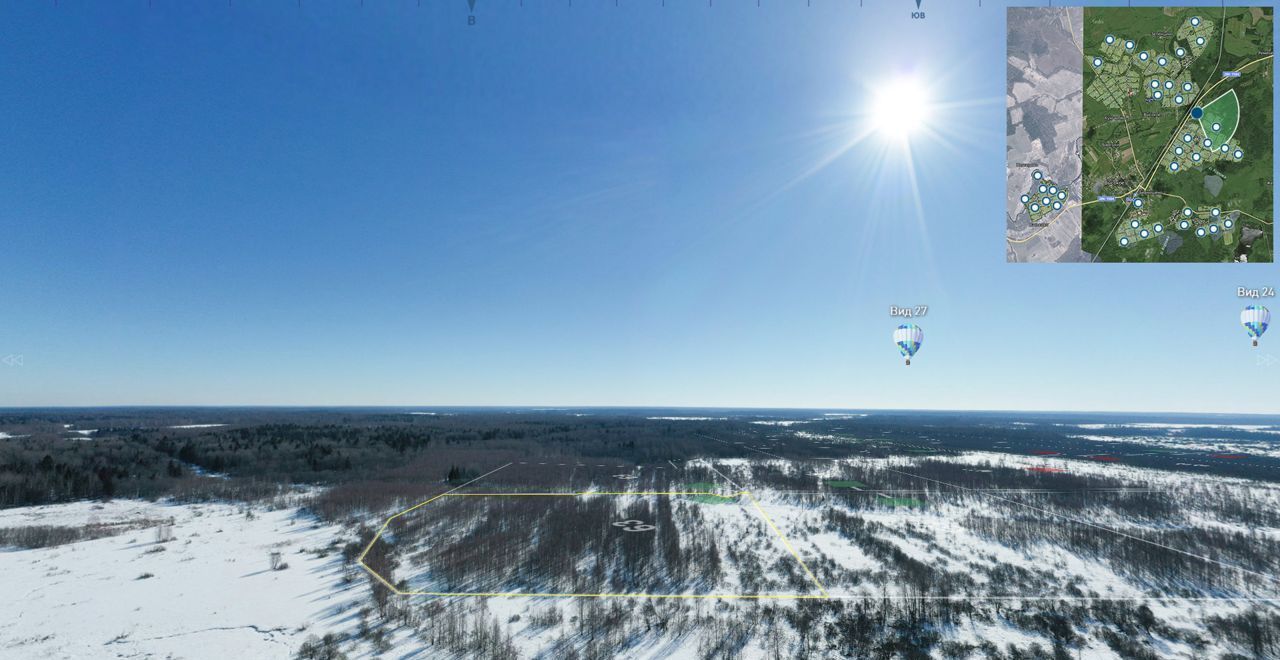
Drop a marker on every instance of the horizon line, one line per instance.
(620, 407)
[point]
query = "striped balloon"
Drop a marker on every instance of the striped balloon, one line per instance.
(1255, 319)
(908, 337)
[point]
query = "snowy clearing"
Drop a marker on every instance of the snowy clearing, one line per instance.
(207, 593)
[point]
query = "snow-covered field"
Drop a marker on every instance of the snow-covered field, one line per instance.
(1175, 428)
(207, 593)
(1261, 448)
(210, 592)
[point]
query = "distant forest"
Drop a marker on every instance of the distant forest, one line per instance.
(248, 461)
(139, 453)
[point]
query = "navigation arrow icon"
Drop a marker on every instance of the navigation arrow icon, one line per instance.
(472, 4)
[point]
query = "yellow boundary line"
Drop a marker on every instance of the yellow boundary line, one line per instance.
(518, 594)
(515, 594)
(785, 542)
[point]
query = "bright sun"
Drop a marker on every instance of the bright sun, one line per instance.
(900, 108)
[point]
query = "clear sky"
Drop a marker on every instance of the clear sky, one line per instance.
(264, 203)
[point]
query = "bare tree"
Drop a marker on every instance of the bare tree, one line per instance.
(164, 531)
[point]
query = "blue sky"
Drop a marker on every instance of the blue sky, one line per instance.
(267, 204)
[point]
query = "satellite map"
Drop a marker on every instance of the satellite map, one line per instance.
(1177, 140)
(1156, 146)
(1043, 143)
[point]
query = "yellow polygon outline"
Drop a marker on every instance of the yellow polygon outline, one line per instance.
(512, 594)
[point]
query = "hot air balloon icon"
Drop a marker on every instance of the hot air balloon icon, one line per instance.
(1255, 319)
(908, 337)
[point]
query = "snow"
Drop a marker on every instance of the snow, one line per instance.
(211, 594)
(196, 426)
(1175, 428)
(1265, 428)
(1149, 477)
(1003, 634)
(820, 436)
(1260, 447)
(82, 513)
(847, 555)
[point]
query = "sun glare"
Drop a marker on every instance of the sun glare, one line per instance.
(901, 108)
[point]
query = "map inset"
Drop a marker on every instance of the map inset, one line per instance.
(1043, 138)
(1177, 156)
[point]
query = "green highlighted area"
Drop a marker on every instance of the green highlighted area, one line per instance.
(846, 483)
(704, 487)
(1221, 116)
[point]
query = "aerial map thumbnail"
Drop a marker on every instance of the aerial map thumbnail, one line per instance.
(1177, 155)
(1043, 128)
(1139, 135)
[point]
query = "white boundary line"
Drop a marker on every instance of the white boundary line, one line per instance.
(1097, 526)
(1077, 599)
(1082, 522)
(387, 522)
(1239, 110)
(883, 597)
